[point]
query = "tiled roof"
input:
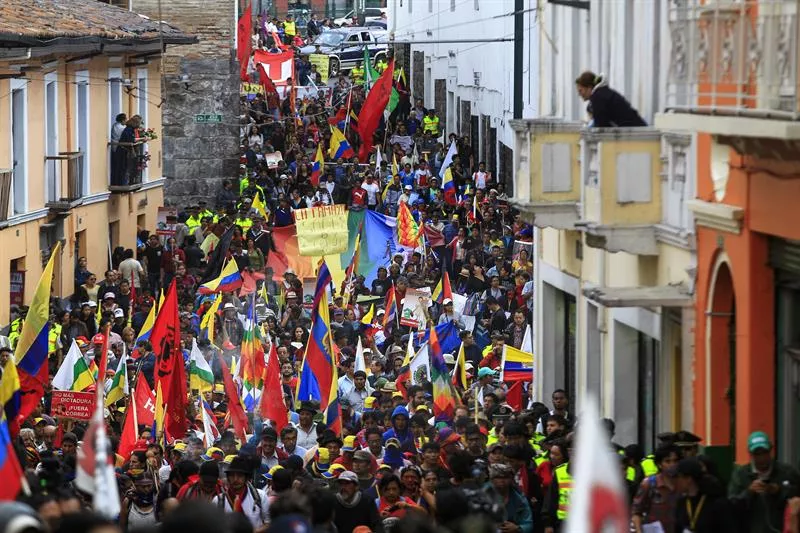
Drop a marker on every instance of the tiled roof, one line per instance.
(35, 22)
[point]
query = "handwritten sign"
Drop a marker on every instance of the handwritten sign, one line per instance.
(74, 405)
(251, 89)
(322, 63)
(322, 230)
(165, 223)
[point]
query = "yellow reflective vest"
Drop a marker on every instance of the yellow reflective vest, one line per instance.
(52, 338)
(564, 480)
(357, 74)
(649, 467)
(430, 124)
(289, 28)
(244, 223)
(13, 332)
(193, 222)
(381, 65)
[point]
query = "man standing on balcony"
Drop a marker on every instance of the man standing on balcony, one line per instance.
(117, 152)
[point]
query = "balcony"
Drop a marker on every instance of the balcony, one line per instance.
(67, 185)
(547, 183)
(621, 171)
(126, 176)
(734, 74)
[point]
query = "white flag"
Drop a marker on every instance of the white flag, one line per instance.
(451, 152)
(598, 502)
(360, 363)
(420, 366)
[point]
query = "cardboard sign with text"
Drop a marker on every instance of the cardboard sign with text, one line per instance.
(74, 405)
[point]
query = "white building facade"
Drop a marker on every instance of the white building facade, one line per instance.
(615, 249)
(469, 83)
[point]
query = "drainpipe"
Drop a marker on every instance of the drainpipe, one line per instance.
(68, 108)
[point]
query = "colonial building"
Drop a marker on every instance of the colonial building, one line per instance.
(67, 69)
(615, 241)
(734, 86)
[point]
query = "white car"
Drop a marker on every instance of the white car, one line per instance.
(370, 14)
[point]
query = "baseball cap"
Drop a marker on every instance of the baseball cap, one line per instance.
(347, 475)
(98, 339)
(109, 295)
(758, 440)
(447, 301)
(362, 455)
(118, 313)
(483, 372)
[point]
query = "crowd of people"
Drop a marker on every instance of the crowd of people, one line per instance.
(500, 464)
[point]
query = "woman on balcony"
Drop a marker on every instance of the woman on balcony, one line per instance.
(131, 141)
(608, 108)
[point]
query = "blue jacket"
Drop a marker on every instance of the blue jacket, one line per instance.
(392, 433)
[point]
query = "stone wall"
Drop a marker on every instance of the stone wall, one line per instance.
(418, 78)
(198, 157)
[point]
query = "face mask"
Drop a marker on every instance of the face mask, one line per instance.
(144, 499)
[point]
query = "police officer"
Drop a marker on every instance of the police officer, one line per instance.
(555, 508)
(381, 65)
(15, 328)
(357, 73)
(195, 218)
(430, 123)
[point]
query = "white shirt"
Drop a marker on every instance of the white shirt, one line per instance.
(480, 179)
(131, 266)
(257, 516)
(306, 439)
(372, 192)
(346, 384)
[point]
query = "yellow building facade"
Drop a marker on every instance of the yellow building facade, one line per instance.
(613, 271)
(60, 91)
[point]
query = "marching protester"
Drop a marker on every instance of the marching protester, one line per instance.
(369, 371)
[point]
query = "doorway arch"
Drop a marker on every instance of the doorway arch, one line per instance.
(721, 356)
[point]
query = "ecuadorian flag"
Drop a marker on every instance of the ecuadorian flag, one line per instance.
(10, 394)
(517, 365)
(339, 146)
(318, 167)
(229, 280)
(33, 345)
(10, 469)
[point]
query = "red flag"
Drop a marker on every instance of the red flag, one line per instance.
(514, 396)
(248, 284)
(279, 67)
(170, 371)
(266, 82)
(243, 43)
(235, 407)
(434, 236)
(372, 110)
(144, 401)
(271, 408)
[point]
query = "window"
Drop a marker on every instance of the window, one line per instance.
(19, 145)
(353, 38)
(142, 98)
(114, 106)
(52, 184)
(452, 5)
(82, 128)
(409, 5)
(114, 95)
(430, 6)
(366, 36)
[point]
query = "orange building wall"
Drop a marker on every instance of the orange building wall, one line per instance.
(753, 285)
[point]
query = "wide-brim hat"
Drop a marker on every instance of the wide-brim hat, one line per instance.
(239, 465)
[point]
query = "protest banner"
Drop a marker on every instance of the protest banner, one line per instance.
(322, 62)
(272, 159)
(166, 220)
(322, 230)
(74, 405)
(250, 89)
(414, 314)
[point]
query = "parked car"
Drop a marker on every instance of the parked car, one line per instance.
(370, 14)
(345, 46)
